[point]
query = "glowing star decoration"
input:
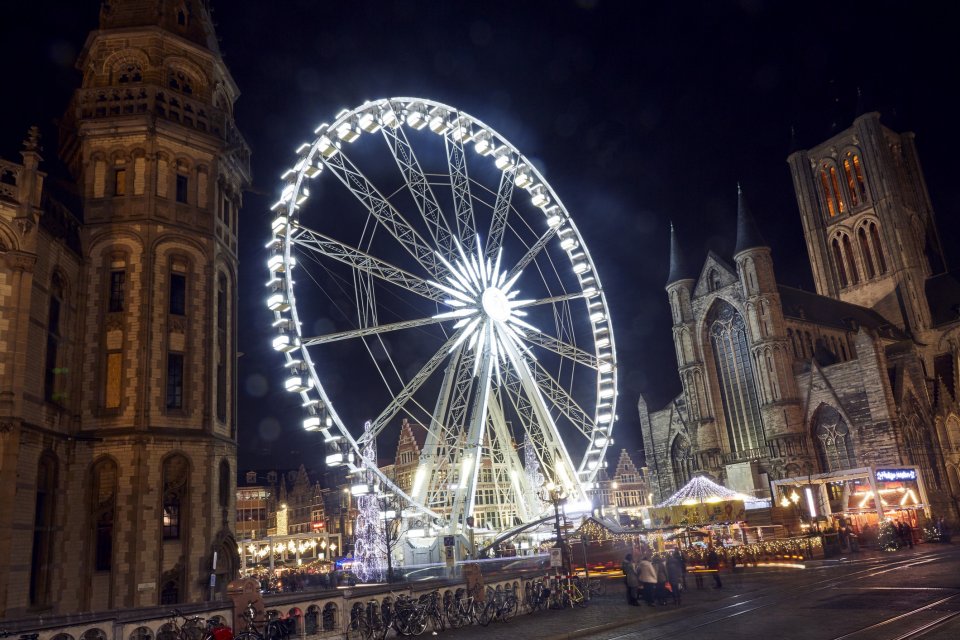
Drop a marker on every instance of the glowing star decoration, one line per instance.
(484, 301)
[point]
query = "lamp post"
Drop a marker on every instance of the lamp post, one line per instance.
(390, 512)
(556, 496)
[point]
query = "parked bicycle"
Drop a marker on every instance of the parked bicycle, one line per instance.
(273, 628)
(501, 605)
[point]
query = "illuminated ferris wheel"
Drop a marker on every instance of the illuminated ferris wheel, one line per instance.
(421, 267)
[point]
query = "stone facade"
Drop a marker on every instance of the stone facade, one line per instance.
(118, 333)
(779, 382)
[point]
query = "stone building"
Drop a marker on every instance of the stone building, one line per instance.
(118, 327)
(783, 383)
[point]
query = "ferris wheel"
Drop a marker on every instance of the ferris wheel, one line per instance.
(422, 268)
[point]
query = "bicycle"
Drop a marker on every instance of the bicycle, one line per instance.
(539, 597)
(370, 623)
(190, 629)
(274, 628)
(23, 636)
(463, 610)
(501, 606)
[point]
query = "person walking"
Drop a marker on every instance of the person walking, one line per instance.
(648, 579)
(631, 579)
(713, 564)
(675, 575)
(660, 592)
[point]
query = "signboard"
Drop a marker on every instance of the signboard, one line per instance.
(697, 514)
(448, 541)
(556, 557)
(895, 475)
(448, 556)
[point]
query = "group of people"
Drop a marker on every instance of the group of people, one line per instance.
(654, 581)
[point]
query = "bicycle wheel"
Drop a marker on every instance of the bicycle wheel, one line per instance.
(598, 587)
(510, 607)
(578, 597)
(455, 616)
(248, 635)
(487, 613)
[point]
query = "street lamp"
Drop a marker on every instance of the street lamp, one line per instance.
(556, 496)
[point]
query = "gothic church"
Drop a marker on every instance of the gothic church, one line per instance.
(784, 383)
(118, 327)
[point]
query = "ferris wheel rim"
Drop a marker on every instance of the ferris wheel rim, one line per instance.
(294, 194)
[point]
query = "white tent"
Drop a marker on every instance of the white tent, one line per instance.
(700, 490)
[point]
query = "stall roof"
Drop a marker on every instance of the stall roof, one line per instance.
(701, 489)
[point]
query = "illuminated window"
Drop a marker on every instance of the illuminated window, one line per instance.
(858, 172)
(120, 182)
(828, 192)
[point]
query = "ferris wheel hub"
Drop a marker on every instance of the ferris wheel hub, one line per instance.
(495, 304)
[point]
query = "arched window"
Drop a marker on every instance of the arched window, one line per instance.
(104, 495)
(833, 441)
(44, 510)
(129, 73)
(851, 181)
(224, 484)
(176, 473)
(713, 280)
(838, 259)
(222, 315)
(830, 182)
(680, 461)
(851, 262)
(738, 388)
(828, 192)
(865, 252)
(877, 247)
(54, 387)
(859, 182)
(920, 449)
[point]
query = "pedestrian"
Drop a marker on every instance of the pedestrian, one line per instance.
(660, 591)
(713, 564)
(679, 555)
(944, 530)
(675, 575)
(906, 534)
(630, 579)
(648, 579)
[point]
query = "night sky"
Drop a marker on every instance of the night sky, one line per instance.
(638, 113)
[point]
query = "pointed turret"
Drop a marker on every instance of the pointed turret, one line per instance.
(748, 236)
(678, 266)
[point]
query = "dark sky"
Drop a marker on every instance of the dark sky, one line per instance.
(638, 112)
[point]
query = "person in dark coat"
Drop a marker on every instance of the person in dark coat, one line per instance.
(713, 564)
(675, 575)
(630, 579)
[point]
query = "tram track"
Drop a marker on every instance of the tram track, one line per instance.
(671, 630)
(869, 631)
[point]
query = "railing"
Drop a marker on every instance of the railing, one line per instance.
(318, 614)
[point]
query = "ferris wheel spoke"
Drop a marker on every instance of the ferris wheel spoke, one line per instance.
(369, 331)
(501, 207)
(385, 213)
(532, 252)
(565, 472)
(460, 185)
(364, 262)
(563, 401)
(561, 348)
(505, 455)
(411, 388)
(420, 189)
(520, 304)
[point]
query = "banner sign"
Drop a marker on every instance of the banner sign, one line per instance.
(697, 514)
(896, 475)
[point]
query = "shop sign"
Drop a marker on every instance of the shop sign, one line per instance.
(896, 475)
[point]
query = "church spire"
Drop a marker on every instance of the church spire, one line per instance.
(748, 236)
(678, 266)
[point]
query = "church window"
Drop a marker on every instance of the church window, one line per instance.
(833, 440)
(851, 262)
(117, 279)
(104, 488)
(53, 384)
(182, 186)
(860, 182)
(713, 280)
(865, 252)
(738, 388)
(224, 484)
(681, 461)
(120, 181)
(175, 490)
(129, 73)
(222, 348)
(838, 259)
(178, 294)
(835, 183)
(42, 551)
(179, 81)
(174, 381)
(877, 247)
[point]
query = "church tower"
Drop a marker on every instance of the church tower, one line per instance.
(147, 502)
(868, 221)
(770, 347)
